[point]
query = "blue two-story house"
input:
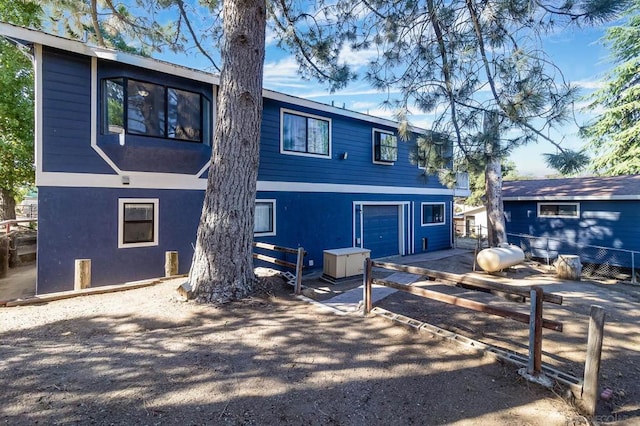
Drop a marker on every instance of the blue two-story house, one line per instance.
(123, 150)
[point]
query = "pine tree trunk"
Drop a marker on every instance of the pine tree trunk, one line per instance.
(496, 232)
(222, 267)
(7, 205)
(495, 208)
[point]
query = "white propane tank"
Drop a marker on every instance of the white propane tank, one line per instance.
(496, 258)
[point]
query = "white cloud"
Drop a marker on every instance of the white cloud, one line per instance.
(589, 84)
(358, 58)
(283, 75)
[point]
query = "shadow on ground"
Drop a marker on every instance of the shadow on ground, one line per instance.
(143, 357)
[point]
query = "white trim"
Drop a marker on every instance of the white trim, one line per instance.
(403, 232)
(277, 186)
(561, 198)
(95, 98)
(373, 146)
(273, 204)
(142, 180)
(121, 203)
(444, 213)
(562, 216)
(284, 111)
(75, 46)
(149, 180)
(38, 97)
(282, 97)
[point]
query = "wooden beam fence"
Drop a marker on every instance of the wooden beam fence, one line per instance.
(297, 266)
(537, 296)
(587, 388)
(8, 223)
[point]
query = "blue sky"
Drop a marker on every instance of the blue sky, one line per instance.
(577, 51)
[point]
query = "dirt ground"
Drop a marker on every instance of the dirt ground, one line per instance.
(145, 357)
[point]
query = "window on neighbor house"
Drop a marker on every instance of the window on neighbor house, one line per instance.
(265, 218)
(138, 222)
(148, 109)
(565, 210)
(305, 134)
(432, 214)
(385, 147)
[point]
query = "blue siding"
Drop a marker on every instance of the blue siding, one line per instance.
(601, 223)
(348, 135)
(67, 115)
(77, 223)
(322, 221)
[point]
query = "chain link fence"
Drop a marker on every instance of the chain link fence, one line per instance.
(29, 211)
(597, 261)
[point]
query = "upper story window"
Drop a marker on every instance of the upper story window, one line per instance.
(385, 147)
(305, 134)
(148, 109)
(565, 210)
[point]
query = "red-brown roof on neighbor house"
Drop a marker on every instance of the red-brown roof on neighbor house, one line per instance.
(602, 188)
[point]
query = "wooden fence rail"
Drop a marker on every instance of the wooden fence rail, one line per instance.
(587, 393)
(535, 320)
(297, 267)
(7, 223)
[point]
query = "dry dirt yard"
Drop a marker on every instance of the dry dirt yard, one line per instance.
(145, 357)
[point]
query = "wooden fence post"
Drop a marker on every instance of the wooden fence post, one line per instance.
(368, 279)
(82, 277)
(592, 363)
(299, 265)
(4, 256)
(170, 263)
(535, 332)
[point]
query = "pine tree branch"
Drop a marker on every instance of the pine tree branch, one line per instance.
(183, 14)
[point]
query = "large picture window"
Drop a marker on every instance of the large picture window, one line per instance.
(432, 214)
(385, 147)
(305, 134)
(148, 109)
(137, 222)
(564, 210)
(265, 218)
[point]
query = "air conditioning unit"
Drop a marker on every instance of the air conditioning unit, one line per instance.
(344, 262)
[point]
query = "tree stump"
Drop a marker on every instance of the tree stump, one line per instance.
(568, 267)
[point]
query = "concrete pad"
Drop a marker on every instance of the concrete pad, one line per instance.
(350, 301)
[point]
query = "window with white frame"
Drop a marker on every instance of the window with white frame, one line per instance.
(265, 218)
(137, 222)
(432, 214)
(563, 210)
(385, 147)
(305, 134)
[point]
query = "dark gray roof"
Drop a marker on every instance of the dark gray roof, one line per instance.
(599, 188)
